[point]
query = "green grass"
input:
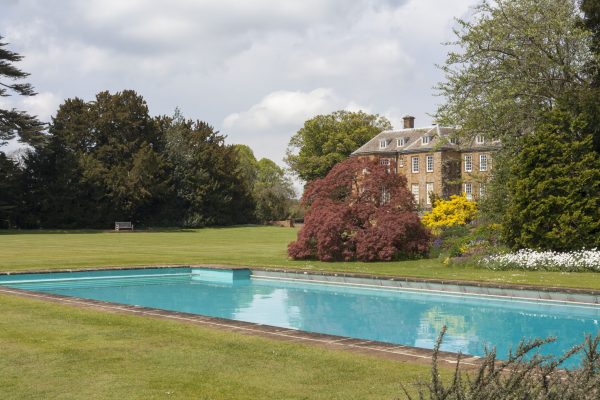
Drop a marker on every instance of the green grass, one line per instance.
(244, 246)
(51, 351)
(56, 351)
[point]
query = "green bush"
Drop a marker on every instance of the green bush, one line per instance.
(524, 375)
(467, 240)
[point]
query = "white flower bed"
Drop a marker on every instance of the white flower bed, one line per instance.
(575, 261)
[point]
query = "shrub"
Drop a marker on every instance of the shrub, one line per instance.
(521, 376)
(360, 211)
(448, 213)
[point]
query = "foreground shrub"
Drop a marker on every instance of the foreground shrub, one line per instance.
(524, 375)
(360, 211)
(449, 213)
(575, 261)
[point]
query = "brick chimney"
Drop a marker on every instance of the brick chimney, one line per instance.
(409, 121)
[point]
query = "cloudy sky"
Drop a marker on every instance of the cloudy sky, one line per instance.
(256, 70)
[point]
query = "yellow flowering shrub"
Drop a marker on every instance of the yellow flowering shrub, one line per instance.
(446, 213)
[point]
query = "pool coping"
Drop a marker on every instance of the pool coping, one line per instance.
(378, 349)
(395, 278)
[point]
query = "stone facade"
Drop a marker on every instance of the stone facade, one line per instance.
(433, 160)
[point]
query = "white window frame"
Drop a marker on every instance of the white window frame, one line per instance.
(469, 190)
(425, 139)
(429, 163)
(386, 196)
(401, 161)
(483, 162)
(414, 192)
(383, 143)
(400, 142)
(481, 190)
(414, 165)
(453, 140)
(384, 161)
(479, 139)
(428, 191)
(468, 162)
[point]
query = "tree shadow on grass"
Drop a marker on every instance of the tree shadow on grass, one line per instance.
(140, 230)
(91, 231)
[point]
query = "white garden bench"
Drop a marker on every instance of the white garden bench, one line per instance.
(123, 225)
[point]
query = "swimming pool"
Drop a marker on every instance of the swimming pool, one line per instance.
(405, 317)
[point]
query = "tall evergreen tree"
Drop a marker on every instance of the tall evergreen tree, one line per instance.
(102, 156)
(14, 122)
(554, 188)
(54, 195)
(204, 175)
(10, 191)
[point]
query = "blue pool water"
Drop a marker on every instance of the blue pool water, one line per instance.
(395, 316)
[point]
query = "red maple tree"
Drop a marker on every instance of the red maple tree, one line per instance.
(360, 211)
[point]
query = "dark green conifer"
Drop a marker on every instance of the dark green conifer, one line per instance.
(14, 122)
(554, 188)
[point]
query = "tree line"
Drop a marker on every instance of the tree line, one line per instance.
(107, 160)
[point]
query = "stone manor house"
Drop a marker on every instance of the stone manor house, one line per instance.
(433, 160)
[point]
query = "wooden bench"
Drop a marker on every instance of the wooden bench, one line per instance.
(123, 225)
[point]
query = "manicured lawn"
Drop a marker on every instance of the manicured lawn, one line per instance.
(50, 351)
(244, 246)
(56, 351)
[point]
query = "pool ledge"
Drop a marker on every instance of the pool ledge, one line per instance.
(531, 292)
(368, 347)
(551, 294)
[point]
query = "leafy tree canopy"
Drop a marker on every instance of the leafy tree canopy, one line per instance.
(516, 59)
(273, 191)
(325, 140)
(208, 190)
(115, 143)
(14, 122)
(247, 165)
(360, 211)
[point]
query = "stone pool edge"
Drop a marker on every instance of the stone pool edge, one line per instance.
(369, 347)
(531, 292)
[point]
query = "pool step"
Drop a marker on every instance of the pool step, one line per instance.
(220, 275)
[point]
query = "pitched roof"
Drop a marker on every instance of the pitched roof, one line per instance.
(411, 141)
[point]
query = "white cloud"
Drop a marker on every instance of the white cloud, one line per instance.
(216, 59)
(268, 125)
(283, 108)
(43, 105)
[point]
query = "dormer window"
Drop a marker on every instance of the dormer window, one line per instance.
(425, 139)
(479, 139)
(401, 142)
(383, 143)
(453, 140)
